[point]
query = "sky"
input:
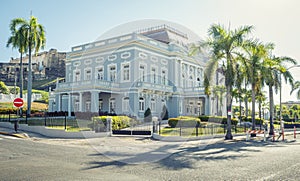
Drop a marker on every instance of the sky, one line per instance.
(73, 22)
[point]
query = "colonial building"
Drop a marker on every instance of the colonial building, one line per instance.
(130, 73)
(45, 65)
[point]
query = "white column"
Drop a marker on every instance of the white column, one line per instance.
(94, 101)
(59, 103)
(80, 101)
(207, 106)
(69, 104)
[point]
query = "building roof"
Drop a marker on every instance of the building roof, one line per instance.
(165, 34)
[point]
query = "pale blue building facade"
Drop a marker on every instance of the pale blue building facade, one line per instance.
(128, 74)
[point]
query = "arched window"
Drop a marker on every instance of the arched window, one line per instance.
(125, 105)
(153, 105)
(141, 104)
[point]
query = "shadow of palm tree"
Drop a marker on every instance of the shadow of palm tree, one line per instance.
(181, 158)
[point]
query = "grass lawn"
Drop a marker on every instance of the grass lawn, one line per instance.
(77, 125)
(69, 128)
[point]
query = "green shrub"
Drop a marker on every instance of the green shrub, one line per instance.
(218, 119)
(204, 118)
(183, 121)
(118, 122)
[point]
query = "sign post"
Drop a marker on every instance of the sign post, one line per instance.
(18, 102)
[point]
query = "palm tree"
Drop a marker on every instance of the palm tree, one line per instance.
(247, 98)
(256, 53)
(224, 46)
(261, 98)
(272, 69)
(241, 74)
(35, 39)
(218, 92)
(296, 86)
(18, 41)
(236, 93)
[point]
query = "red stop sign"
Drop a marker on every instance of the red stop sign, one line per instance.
(18, 102)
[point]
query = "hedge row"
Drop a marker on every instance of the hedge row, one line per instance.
(14, 110)
(184, 121)
(218, 119)
(118, 122)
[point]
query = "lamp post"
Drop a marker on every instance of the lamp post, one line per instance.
(280, 104)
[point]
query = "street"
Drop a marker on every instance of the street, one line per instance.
(115, 158)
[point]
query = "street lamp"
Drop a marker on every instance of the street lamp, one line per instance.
(280, 105)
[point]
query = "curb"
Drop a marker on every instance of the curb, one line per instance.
(17, 135)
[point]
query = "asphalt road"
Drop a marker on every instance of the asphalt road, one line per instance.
(113, 159)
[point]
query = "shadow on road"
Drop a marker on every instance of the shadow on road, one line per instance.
(173, 157)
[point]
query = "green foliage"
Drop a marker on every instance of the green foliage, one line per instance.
(184, 121)
(45, 95)
(118, 122)
(218, 119)
(148, 115)
(13, 90)
(3, 88)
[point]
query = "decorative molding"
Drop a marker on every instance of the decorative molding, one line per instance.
(125, 55)
(88, 62)
(99, 43)
(143, 55)
(112, 57)
(99, 60)
(77, 64)
(164, 61)
(123, 38)
(112, 40)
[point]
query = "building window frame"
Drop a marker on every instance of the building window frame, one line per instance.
(125, 104)
(153, 105)
(100, 104)
(87, 74)
(99, 73)
(112, 72)
(88, 106)
(142, 72)
(141, 104)
(125, 72)
(164, 77)
(112, 105)
(77, 75)
(153, 74)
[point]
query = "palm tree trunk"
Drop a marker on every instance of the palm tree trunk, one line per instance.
(240, 101)
(21, 81)
(259, 109)
(246, 107)
(271, 109)
(29, 82)
(228, 135)
(253, 106)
